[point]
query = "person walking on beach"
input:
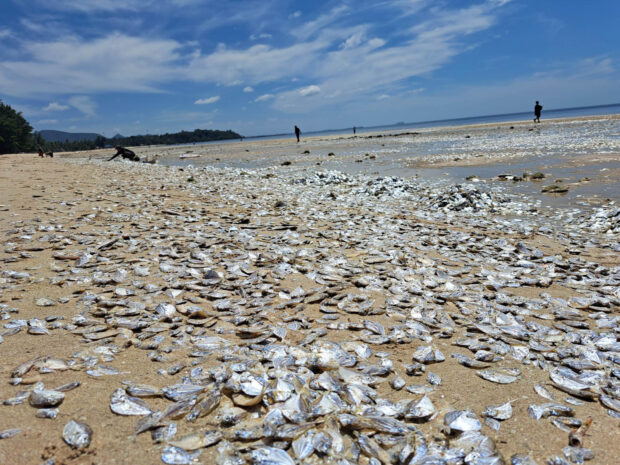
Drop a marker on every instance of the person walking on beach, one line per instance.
(537, 110)
(354, 129)
(297, 132)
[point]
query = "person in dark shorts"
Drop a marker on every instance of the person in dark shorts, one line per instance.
(297, 133)
(537, 111)
(125, 153)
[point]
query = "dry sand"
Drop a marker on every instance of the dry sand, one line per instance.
(47, 190)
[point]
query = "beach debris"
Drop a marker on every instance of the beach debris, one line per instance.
(461, 421)
(77, 435)
(554, 189)
(43, 398)
(576, 438)
(498, 412)
(9, 433)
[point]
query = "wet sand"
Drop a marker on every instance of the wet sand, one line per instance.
(58, 206)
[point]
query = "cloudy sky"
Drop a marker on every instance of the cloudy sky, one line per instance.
(261, 66)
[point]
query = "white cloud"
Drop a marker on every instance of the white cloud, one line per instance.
(55, 106)
(95, 5)
(296, 14)
(310, 90)
(264, 35)
(371, 67)
(208, 100)
(116, 62)
(84, 104)
(259, 63)
(264, 97)
(354, 40)
(248, 89)
(4, 32)
(383, 97)
(311, 28)
(46, 121)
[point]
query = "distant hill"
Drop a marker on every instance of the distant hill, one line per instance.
(61, 136)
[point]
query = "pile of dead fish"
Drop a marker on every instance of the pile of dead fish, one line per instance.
(466, 198)
(272, 373)
(605, 220)
(325, 178)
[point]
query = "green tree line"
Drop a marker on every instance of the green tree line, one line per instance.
(16, 136)
(15, 132)
(183, 137)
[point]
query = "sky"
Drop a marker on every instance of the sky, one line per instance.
(262, 66)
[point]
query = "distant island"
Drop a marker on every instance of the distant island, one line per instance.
(59, 141)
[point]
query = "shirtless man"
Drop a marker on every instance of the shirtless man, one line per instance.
(125, 153)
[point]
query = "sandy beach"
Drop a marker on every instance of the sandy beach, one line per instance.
(316, 273)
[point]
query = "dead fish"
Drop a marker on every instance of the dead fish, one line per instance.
(498, 412)
(46, 413)
(544, 410)
(521, 459)
(397, 383)
(372, 450)
(148, 422)
(303, 446)
(182, 391)
(610, 402)
(25, 367)
(420, 410)
(41, 398)
(172, 455)
(573, 386)
(496, 376)
(20, 398)
(577, 454)
(196, 441)
(68, 387)
(163, 433)
(461, 421)
(142, 390)
(271, 456)
(469, 362)
(544, 392)
(9, 433)
(426, 355)
(122, 404)
(433, 379)
(77, 435)
(205, 405)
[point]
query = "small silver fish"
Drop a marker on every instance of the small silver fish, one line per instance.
(77, 435)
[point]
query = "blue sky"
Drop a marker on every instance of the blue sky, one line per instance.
(261, 66)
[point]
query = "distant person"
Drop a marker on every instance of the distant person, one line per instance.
(537, 111)
(297, 132)
(353, 129)
(44, 154)
(125, 153)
